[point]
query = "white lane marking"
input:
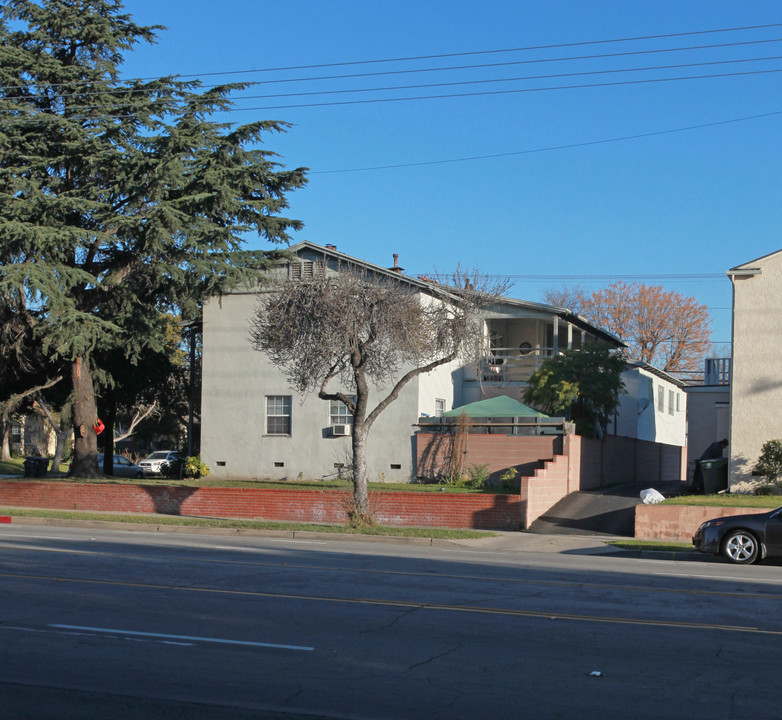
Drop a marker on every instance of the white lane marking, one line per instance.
(182, 637)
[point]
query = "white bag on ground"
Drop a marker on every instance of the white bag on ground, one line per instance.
(650, 496)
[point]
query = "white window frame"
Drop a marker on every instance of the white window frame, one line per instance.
(671, 396)
(279, 407)
(339, 414)
(660, 398)
(439, 407)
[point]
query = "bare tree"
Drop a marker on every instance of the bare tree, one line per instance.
(11, 405)
(663, 328)
(140, 412)
(62, 429)
(356, 328)
(571, 297)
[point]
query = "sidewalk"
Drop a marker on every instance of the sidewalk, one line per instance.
(499, 542)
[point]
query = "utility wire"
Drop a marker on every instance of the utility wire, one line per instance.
(457, 83)
(550, 46)
(568, 146)
(336, 103)
(125, 89)
(502, 92)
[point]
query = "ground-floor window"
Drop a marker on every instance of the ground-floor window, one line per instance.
(278, 414)
(339, 413)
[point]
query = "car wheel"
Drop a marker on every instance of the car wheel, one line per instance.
(139, 475)
(740, 547)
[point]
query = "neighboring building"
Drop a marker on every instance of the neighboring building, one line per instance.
(756, 368)
(32, 435)
(254, 425)
(653, 407)
(708, 409)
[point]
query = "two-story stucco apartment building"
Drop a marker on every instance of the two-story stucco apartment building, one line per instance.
(254, 425)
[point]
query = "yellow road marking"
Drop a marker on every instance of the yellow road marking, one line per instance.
(412, 605)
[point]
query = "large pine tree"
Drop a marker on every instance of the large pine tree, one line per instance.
(119, 199)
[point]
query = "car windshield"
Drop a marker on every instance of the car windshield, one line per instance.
(161, 455)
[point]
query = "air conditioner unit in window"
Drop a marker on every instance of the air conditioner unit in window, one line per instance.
(340, 430)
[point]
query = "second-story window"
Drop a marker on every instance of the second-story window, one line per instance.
(439, 407)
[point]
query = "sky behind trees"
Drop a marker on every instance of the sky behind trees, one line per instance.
(658, 161)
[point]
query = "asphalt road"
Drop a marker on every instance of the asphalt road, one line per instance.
(144, 625)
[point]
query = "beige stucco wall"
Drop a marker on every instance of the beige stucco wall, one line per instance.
(756, 383)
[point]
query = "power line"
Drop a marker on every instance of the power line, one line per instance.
(513, 79)
(127, 88)
(551, 46)
(550, 148)
(618, 83)
(472, 53)
(484, 93)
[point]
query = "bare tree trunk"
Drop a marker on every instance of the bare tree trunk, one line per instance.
(140, 414)
(5, 429)
(360, 491)
(85, 450)
(8, 407)
(61, 433)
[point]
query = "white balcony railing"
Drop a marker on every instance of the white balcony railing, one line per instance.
(513, 365)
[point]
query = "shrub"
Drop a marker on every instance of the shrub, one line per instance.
(194, 468)
(508, 477)
(770, 462)
(479, 475)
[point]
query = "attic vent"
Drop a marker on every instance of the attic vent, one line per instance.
(307, 269)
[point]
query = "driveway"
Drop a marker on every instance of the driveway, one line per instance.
(605, 511)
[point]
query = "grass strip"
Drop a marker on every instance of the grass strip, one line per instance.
(728, 500)
(435, 533)
(653, 545)
(327, 485)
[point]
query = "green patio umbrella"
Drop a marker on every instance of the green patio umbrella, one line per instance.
(501, 406)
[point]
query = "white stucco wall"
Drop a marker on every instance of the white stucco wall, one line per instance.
(645, 420)
(756, 380)
(236, 381)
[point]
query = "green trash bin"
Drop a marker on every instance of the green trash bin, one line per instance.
(715, 475)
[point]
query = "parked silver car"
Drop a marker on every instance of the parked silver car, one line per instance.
(123, 467)
(161, 461)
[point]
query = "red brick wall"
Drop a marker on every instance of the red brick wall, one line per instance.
(500, 512)
(499, 452)
(678, 523)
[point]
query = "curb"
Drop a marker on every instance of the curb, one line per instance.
(247, 532)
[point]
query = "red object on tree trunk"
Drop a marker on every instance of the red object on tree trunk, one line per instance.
(99, 427)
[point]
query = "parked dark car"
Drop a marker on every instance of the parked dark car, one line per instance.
(742, 539)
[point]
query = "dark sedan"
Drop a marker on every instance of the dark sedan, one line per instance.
(742, 538)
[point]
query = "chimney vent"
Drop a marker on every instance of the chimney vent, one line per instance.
(396, 267)
(331, 247)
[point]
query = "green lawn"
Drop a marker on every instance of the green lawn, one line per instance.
(728, 500)
(16, 467)
(653, 545)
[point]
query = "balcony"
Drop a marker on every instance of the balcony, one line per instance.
(513, 365)
(717, 371)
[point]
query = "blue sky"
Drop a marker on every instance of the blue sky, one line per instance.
(550, 191)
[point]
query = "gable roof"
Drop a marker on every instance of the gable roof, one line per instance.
(500, 406)
(578, 321)
(752, 267)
